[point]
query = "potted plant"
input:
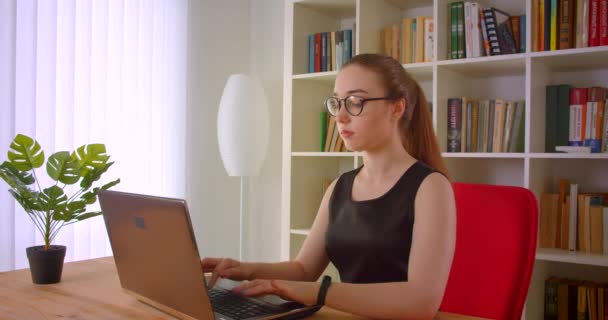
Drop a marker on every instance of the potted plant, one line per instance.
(51, 208)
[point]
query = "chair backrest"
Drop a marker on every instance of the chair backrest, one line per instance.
(495, 251)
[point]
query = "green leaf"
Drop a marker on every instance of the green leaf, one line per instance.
(61, 167)
(52, 197)
(110, 184)
(90, 157)
(94, 175)
(90, 197)
(25, 153)
(27, 198)
(87, 215)
(13, 177)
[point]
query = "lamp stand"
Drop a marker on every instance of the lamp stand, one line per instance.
(241, 220)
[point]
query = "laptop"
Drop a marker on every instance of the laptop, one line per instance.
(158, 263)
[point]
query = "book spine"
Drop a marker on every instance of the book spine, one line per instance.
(605, 130)
(578, 102)
(491, 117)
(522, 33)
(517, 122)
(572, 217)
(454, 123)
(547, 28)
(499, 125)
(453, 30)
(323, 51)
(491, 28)
(478, 49)
(579, 24)
(484, 33)
(516, 31)
(603, 22)
(429, 43)
(566, 24)
(460, 30)
(554, 24)
(541, 25)
(594, 39)
(348, 45)
(311, 53)
(317, 52)
(468, 30)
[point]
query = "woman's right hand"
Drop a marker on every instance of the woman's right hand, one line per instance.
(225, 268)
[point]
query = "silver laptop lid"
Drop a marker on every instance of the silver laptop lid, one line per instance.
(155, 252)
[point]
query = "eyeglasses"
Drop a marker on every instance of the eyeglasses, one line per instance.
(353, 104)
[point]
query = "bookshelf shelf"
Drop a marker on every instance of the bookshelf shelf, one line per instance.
(568, 155)
(512, 64)
(328, 76)
(573, 59)
(303, 232)
(483, 155)
(516, 77)
(323, 154)
(574, 257)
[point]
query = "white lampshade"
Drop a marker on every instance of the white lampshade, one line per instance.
(242, 125)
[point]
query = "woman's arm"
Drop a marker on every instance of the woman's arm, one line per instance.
(433, 244)
(307, 266)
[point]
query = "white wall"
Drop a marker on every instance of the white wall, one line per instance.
(225, 37)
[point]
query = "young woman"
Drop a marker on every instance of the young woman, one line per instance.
(389, 226)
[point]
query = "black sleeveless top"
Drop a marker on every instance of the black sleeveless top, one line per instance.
(369, 241)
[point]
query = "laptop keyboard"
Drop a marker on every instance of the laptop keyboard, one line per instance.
(238, 307)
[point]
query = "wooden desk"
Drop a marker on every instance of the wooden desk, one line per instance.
(90, 289)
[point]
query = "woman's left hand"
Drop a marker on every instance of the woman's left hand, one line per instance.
(300, 291)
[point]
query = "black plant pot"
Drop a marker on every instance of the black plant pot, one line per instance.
(46, 266)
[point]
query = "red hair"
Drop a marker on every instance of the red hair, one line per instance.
(416, 127)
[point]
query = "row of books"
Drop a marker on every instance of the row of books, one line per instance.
(331, 141)
(328, 51)
(576, 117)
(485, 125)
(475, 31)
(411, 41)
(575, 299)
(574, 220)
(564, 24)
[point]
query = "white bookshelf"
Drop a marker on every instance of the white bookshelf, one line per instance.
(521, 76)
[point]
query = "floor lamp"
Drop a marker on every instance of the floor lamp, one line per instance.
(242, 132)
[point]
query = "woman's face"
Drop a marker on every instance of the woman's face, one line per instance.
(377, 123)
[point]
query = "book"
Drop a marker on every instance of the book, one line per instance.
(563, 214)
(566, 24)
(605, 237)
(454, 125)
(553, 36)
(323, 125)
(603, 22)
(551, 298)
(572, 216)
(548, 220)
(567, 294)
(429, 42)
(492, 31)
(578, 108)
(594, 19)
(595, 227)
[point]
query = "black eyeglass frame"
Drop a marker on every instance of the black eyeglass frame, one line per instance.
(343, 102)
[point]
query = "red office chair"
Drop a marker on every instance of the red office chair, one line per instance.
(495, 251)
